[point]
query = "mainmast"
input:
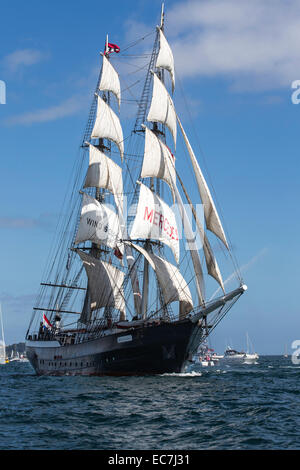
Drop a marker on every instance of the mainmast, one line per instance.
(157, 187)
(159, 164)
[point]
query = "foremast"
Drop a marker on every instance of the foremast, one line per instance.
(98, 222)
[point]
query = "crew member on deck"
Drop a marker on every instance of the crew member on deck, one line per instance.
(57, 320)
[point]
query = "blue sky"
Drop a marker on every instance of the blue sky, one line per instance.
(235, 62)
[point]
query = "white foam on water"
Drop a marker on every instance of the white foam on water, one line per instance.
(182, 374)
(289, 367)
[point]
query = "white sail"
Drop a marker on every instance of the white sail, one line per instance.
(103, 172)
(155, 219)
(190, 238)
(212, 219)
(2, 341)
(162, 108)
(107, 125)
(171, 281)
(211, 262)
(155, 163)
(165, 57)
(105, 283)
(110, 79)
(98, 223)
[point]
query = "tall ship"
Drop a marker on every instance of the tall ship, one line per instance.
(124, 290)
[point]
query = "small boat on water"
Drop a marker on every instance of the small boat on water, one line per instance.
(23, 358)
(14, 357)
(204, 361)
(216, 357)
(231, 355)
(251, 358)
(206, 356)
(3, 359)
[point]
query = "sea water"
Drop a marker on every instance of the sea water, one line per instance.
(246, 406)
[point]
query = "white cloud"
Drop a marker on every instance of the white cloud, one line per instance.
(45, 221)
(254, 44)
(66, 108)
(22, 58)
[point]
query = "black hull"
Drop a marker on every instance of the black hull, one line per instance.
(159, 349)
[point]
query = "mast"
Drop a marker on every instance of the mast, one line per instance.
(162, 112)
(158, 190)
(97, 250)
(2, 342)
(145, 285)
(162, 16)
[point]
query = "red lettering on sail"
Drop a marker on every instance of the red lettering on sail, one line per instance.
(156, 215)
(148, 216)
(159, 220)
(166, 222)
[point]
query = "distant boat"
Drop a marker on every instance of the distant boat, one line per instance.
(250, 357)
(233, 355)
(23, 358)
(243, 357)
(2, 341)
(216, 357)
(205, 356)
(14, 356)
(285, 352)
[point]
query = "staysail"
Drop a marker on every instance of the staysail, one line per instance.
(193, 249)
(212, 218)
(211, 262)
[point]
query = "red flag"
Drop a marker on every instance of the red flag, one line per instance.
(46, 323)
(112, 48)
